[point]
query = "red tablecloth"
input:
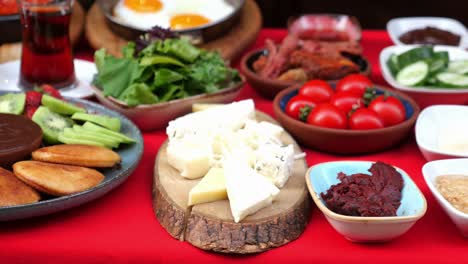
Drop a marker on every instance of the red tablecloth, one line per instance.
(122, 228)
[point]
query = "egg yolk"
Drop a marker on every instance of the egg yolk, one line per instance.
(183, 21)
(143, 5)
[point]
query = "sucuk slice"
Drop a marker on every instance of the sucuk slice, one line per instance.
(57, 179)
(79, 155)
(72, 134)
(52, 124)
(111, 123)
(59, 106)
(92, 127)
(452, 79)
(413, 74)
(458, 66)
(12, 103)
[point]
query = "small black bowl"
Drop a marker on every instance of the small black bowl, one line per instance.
(11, 29)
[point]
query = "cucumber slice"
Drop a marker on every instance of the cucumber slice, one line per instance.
(450, 79)
(458, 66)
(392, 64)
(413, 74)
(436, 66)
(414, 55)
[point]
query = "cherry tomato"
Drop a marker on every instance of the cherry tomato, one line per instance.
(327, 115)
(347, 101)
(356, 83)
(365, 119)
(389, 109)
(293, 108)
(317, 90)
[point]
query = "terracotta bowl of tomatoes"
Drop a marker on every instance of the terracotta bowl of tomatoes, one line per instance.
(344, 119)
(268, 87)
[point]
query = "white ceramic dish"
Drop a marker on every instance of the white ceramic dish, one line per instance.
(431, 171)
(426, 96)
(398, 26)
(413, 206)
(84, 70)
(436, 122)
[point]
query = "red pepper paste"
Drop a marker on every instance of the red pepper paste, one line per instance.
(378, 194)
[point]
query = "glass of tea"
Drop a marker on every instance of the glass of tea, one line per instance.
(46, 52)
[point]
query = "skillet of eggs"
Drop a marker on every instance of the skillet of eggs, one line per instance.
(174, 14)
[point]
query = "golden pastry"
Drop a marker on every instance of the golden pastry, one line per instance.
(57, 179)
(79, 155)
(15, 192)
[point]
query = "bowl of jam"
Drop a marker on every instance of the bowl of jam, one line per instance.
(427, 30)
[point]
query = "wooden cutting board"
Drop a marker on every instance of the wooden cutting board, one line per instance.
(12, 51)
(210, 226)
(230, 45)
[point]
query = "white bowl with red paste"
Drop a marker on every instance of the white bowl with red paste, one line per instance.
(366, 218)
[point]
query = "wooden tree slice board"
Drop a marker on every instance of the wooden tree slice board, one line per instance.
(12, 51)
(210, 226)
(230, 45)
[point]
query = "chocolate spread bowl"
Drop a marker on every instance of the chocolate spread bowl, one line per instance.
(197, 35)
(321, 177)
(19, 136)
(130, 154)
(268, 87)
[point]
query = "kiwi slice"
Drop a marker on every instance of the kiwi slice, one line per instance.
(12, 103)
(92, 127)
(111, 123)
(69, 140)
(52, 124)
(108, 143)
(60, 106)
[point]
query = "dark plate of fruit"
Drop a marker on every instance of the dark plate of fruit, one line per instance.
(76, 152)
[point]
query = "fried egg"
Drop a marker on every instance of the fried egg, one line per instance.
(174, 14)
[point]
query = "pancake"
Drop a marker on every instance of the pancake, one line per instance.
(79, 155)
(57, 179)
(15, 192)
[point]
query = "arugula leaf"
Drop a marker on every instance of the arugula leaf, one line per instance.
(115, 74)
(165, 76)
(138, 93)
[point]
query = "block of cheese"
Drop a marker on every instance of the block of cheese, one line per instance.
(212, 120)
(275, 162)
(247, 190)
(203, 107)
(190, 159)
(259, 133)
(211, 188)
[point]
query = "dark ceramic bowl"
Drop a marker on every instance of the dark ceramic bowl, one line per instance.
(11, 29)
(344, 141)
(268, 87)
(197, 35)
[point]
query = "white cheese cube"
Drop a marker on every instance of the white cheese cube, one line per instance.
(275, 162)
(247, 191)
(192, 161)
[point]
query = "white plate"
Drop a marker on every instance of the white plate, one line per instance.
(455, 53)
(431, 171)
(398, 26)
(84, 70)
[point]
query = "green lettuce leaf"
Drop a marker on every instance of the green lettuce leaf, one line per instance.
(137, 94)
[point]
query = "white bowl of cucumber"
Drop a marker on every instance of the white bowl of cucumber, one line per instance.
(430, 74)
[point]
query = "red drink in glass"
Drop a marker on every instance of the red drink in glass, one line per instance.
(46, 53)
